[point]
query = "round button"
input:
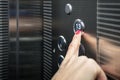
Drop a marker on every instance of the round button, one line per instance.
(78, 25)
(68, 8)
(60, 59)
(61, 43)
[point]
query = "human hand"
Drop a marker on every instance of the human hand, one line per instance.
(76, 67)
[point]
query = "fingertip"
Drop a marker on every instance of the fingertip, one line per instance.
(78, 32)
(76, 38)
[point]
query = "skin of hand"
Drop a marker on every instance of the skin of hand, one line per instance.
(76, 67)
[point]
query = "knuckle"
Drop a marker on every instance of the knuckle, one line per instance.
(83, 57)
(91, 61)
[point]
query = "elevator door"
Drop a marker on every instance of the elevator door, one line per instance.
(25, 25)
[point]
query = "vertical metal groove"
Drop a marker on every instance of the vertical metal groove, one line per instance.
(17, 40)
(4, 39)
(47, 39)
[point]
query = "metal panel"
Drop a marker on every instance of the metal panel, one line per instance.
(25, 39)
(108, 34)
(4, 39)
(108, 24)
(47, 39)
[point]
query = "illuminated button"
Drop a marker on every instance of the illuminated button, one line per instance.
(78, 25)
(68, 9)
(60, 59)
(61, 43)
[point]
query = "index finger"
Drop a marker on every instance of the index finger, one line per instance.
(73, 48)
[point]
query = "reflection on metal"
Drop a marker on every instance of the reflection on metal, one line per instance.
(29, 39)
(91, 41)
(108, 55)
(108, 32)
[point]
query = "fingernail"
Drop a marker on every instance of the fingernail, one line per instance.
(77, 32)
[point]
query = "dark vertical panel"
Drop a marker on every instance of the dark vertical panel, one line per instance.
(30, 39)
(12, 39)
(25, 39)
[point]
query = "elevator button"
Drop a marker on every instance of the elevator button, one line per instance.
(61, 43)
(68, 9)
(78, 25)
(60, 59)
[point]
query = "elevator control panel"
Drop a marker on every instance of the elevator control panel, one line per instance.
(62, 44)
